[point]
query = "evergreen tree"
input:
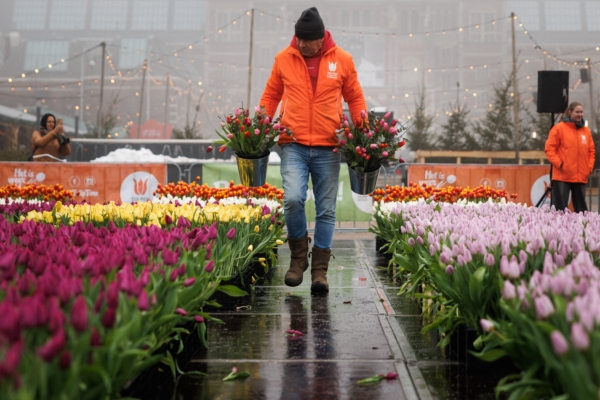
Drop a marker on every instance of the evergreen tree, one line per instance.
(495, 132)
(419, 136)
(541, 125)
(455, 134)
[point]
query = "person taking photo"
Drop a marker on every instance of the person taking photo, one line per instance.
(49, 142)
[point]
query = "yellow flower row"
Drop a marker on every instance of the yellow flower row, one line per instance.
(147, 213)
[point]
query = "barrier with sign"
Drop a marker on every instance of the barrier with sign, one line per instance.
(95, 183)
(350, 206)
(528, 182)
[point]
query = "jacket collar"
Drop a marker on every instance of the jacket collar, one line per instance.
(328, 44)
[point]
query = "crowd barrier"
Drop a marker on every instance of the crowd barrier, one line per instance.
(133, 182)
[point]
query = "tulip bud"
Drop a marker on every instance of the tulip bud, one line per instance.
(142, 301)
(387, 115)
(401, 160)
(346, 124)
(392, 131)
(222, 149)
(209, 149)
(276, 126)
(230, 136)
(168, 219)
(237, 112)
(209, 266)
(335, 149)
(181, 311)
(222, 124)
(189, 282)
(342, 142)
(79, 318)
(394, 122)
(559, 343)
(509, 291)
(384, 154)
(350, 136)
(95, 340)
(373, 146)
(363, 115)
(449, 269)
(198, 319)
(370, 135)
(267, 120)
(108, 318)
(486, 325)
(580, 338)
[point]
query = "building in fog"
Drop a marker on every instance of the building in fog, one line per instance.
(452, 49)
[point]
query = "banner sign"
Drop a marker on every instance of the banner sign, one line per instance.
(529, 182)
(350, 206)
(95, 183)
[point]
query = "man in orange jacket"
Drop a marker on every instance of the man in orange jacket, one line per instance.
(570, 149)
(309, 78)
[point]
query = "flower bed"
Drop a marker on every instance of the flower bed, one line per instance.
(94, 294)
(524, 271)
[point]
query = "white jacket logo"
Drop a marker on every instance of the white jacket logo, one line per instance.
(583, 139)
(332, 68)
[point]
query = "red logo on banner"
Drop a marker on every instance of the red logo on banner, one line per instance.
(140, 187)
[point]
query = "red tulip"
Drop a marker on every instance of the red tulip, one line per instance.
(222, 149)
(209, 149)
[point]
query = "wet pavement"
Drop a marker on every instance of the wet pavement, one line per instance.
(361, 329)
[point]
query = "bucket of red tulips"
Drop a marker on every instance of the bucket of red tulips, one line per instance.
(366, 146)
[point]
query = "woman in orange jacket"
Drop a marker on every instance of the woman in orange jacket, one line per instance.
(570, 149)
(310, 78)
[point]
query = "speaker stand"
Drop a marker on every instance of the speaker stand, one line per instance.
(549, 189)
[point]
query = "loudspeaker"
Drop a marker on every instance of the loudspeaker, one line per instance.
(584, 75)
(553, 91)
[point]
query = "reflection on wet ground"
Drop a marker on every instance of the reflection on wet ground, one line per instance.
(362, 328)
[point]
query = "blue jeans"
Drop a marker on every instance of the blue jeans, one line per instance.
(323, 165)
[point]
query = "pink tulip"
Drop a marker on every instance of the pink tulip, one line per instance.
(385, 154)
(486, 325)
(181, 311)
(342, 142)
(449, 269)
(393, 131)
(335, 150)
(389, 376)
(257, 132)
(411, 242)
(357, 148)
(230, 136)
(370, 135)
(559, 343)
(543, 307)
(579, 337)
(198, 319)
(346, 125)
(394, 122)
(79, 311)
(509, 291)
(401, 160)
(237, 112)
(276, 126)
(373, 146)
(363, 115)
(174, 275)
(350, 136)
(387, 115)
(267, 120)
(12, 359)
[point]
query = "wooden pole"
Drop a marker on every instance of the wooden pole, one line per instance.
(515, 87)
(592, 119)
(166, 106)
(139, 132)
(103, 44)
(250, 58)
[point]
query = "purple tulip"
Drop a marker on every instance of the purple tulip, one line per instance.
(189, 281)
(112, 295)
(449, 269)
(142, 301)
(411, 242)
(559, 343)
(168, 219)
(95, 340)
(169, 257)
(79, 318)
(12, 359)
(209, 266)
(53, 346)
(108, 318)
(183, 222)
(231, 233)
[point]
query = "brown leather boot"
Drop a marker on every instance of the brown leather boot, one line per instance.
(318, 270)
(299, 261)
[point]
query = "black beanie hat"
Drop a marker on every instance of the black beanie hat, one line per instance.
(44, 120)
(310, 25)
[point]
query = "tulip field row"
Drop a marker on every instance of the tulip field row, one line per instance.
(526, 279)
(92, 295)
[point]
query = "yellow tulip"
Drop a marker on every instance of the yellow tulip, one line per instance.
(250, 248)
(256, 228)
(262, 259)
(279, 242)
(271, 227)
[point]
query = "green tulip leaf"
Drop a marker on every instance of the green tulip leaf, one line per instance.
(232, 291)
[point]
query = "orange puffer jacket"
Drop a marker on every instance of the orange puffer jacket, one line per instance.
(571, 152)
(313, 117)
